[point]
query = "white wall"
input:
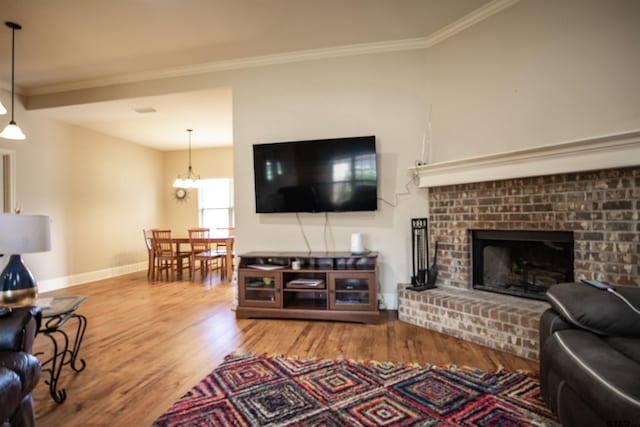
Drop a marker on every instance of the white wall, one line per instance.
(381, 95)
(537, 73)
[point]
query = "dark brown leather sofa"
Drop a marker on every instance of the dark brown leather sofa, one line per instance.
(19, 369)
(590, 355)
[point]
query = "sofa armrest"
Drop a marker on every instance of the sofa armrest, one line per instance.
(18, 329)
(25, 365)
(607, 381)
(10, 393)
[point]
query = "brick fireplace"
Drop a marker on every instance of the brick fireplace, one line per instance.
(601, 208)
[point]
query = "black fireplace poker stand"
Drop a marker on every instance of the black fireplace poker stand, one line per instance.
(423, 277)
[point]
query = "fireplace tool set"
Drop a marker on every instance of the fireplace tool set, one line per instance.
(423, 277)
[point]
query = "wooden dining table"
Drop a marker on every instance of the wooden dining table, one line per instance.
(227, 241)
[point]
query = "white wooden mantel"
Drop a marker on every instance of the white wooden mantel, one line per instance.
(602, 152)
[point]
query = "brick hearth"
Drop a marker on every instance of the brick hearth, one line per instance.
(602, 208)
(502, 322)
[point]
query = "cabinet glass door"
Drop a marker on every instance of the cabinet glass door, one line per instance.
(259, 289)
(352, 291)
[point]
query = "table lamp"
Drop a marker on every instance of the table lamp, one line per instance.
(21, 234)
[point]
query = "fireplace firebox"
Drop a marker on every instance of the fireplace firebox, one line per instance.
(521, 263)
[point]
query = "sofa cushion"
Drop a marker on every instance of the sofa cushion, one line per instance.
(630, 347)
(596, 310)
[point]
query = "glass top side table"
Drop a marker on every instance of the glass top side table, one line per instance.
(60, 305)
(56, 312)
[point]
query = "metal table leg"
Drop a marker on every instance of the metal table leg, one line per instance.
(82, 326)
(62, 355)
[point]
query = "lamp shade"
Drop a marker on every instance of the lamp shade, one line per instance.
(12, 131)
(2, 109)
(20, 234)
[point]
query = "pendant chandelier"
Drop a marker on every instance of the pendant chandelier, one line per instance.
(191, 180)
(12, 131)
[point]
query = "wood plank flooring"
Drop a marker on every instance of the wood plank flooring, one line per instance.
(147, 343)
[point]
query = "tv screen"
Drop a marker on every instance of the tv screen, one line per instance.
(324, 175)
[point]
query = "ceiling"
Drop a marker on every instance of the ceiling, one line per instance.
(68, 44)
(207, 112)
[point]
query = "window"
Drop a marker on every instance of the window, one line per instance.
(350, 172)
(215, 202)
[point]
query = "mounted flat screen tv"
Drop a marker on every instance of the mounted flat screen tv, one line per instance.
(324, 175)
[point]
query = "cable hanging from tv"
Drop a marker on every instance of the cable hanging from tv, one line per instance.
(303, 234)
(414, 176)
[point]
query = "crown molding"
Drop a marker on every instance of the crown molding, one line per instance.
(595, 153)
(439, 36)
(467, 21)
(233, 64)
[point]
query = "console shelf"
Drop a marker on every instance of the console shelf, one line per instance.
(327, 286)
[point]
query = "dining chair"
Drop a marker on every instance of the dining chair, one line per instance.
(222, 248)
(166, 256)
(148, 240)
(201, 252)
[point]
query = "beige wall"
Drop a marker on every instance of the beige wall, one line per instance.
(537, 73)
(99, 191)
(208, 163)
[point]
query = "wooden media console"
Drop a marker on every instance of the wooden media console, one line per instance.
(325, 286)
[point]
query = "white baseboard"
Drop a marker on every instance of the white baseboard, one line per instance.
(91, 276)
(390, 300)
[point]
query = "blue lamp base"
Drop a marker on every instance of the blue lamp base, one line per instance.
(19, 287)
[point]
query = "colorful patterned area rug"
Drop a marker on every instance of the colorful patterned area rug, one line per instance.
(258, 390)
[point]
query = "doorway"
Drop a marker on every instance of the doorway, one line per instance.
(6, 180)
